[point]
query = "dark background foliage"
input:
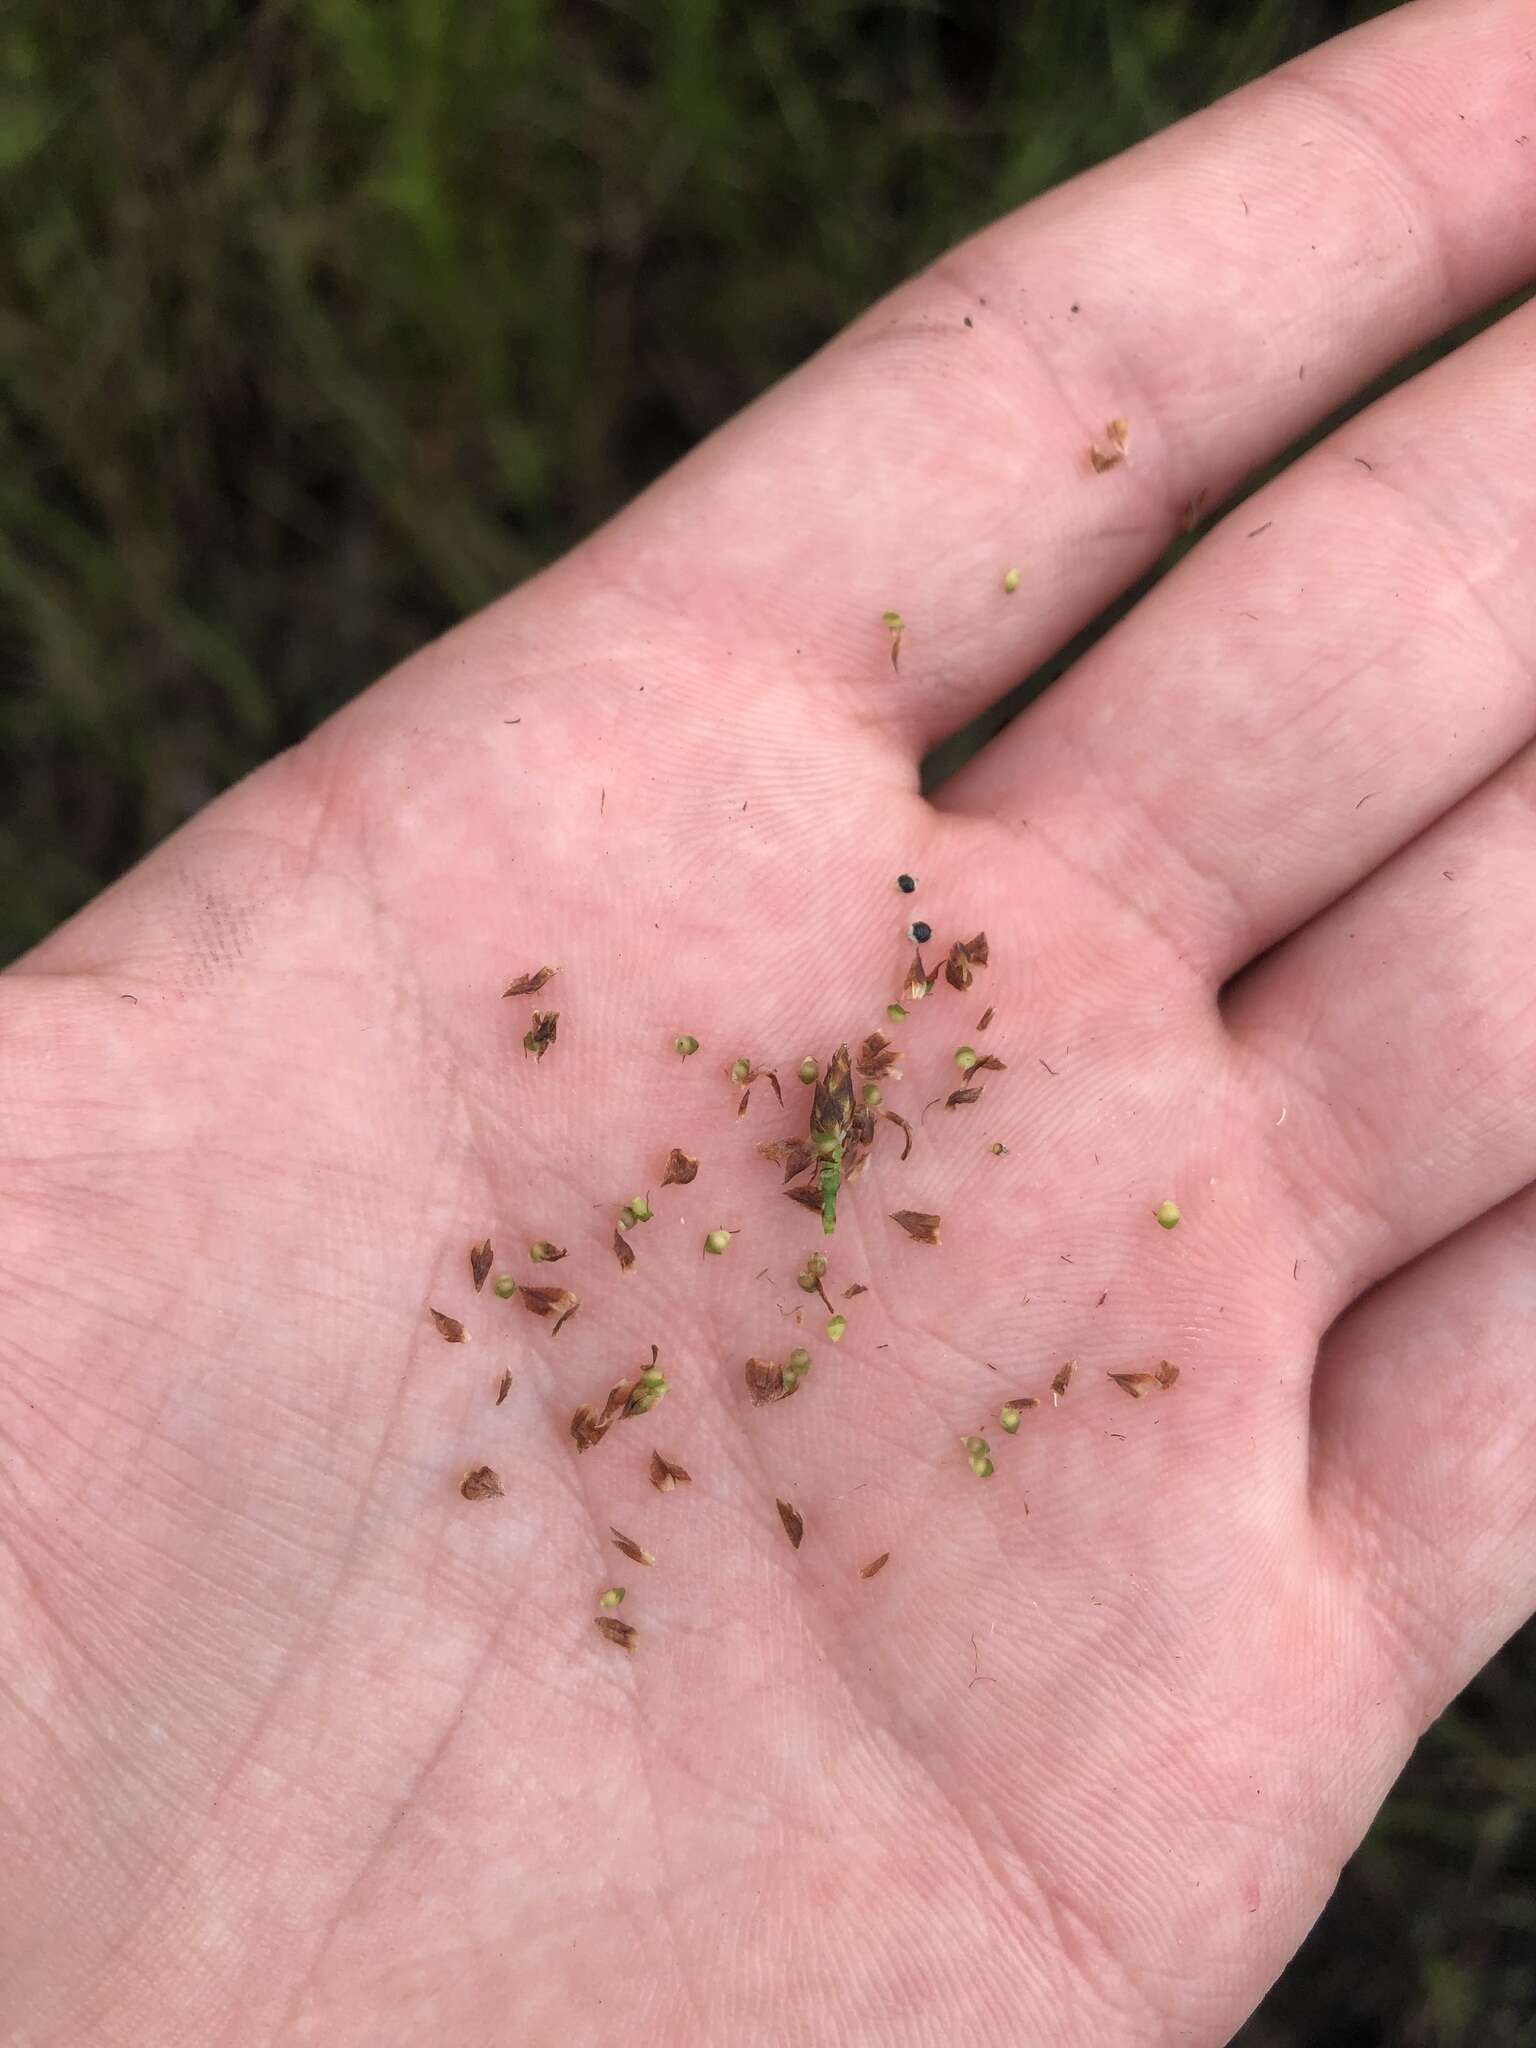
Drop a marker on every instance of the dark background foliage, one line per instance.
(322, 321)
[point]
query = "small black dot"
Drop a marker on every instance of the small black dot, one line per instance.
(921, 933)
(905, 884)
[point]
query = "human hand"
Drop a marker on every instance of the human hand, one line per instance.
(308, 1747)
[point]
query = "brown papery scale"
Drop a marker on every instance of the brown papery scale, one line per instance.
(631, 1549)
(766, 1382)
(481, 1258)
(794, 1523)
(542, 1036)
(681, 1169)
(918, 1224)
(1137, 1384)
(666, 1474)
(504, 1387)
(618, 1632)
(962, 1096)
(985, 1018)
(550, 1301)
(481, 1484)
(449, 1328)
(1166, 1374)
(876, 1564)
(623, 1251)
(1063, 1379)
(529, 984)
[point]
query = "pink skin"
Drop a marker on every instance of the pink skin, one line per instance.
(301, 1745)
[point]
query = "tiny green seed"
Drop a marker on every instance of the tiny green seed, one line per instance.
(640, 1209)
(816, 1266)
(506, 1286)
(613, 1597)
(1011, 581)
(871, 1095)
(1167, 1213)
(892, 620)
(826, 1143)
(800, 1359)
(808, 1071)
(975, 1446)
(896, 1013)
(966, 1058)
(835, 1329)
(982, 1467)
(536, 1253)
(653, 1376)
(741, 1070)
(685, 1045)
(1009, 1418)
(718, 1241)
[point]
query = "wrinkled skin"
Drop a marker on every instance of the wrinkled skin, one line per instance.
(302, 1746)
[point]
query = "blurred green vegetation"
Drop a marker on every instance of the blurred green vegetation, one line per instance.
(322, 321)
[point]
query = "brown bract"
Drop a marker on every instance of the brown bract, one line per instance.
(919, 981)
(858, 1287)
(550, 1301)
(985, 1018)
(529, 984)
(1118, 434)
(542, 1036)
(989, 1063)
(1063, 1380)
(666, 1475)
(449, 1328)
(808, 1198)
(623, 1251)
(631, 1549)
(681, 1169)
(481, 1484)
(766, 1382)
(480, 1260)
(877, 1058)
(961, 1096)
(1023, 1401)
(1137, 1384)
(918, 1224)
(1166, 1374)
(876, 1564)
(543, 1253)
(619, 1632)
(503, 1388)
(793, 1154)
(794, 1523)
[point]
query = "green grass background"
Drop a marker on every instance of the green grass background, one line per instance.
(322, 321)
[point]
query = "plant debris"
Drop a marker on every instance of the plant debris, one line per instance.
(449, 1328)
(480, 1258)
(906, 884)
(481, 1484)
(963, 959)
(631, 1549)
(1167, 1213)
(793, 1154)
(794, 1522)
(543, 1253)
(1166, 1374)
(768, 1381)
(1062, 1381)
(638, 1396)
(744, 1074)
(542, 1036)
(617, 1631)
(895, 625)
(666, 1475)
(918, 1224)
(503, 1388)
(985, 1018)
(1011, 582)
(529, 984)
(858, 1287)
(623, 1251)
(962, 1096)
(998, 1149)
(919, 982)
(550, 1301)
(1118, 434)
(1137, 1384)
(876, 1564)
(1013, 1411)
(681, 1168)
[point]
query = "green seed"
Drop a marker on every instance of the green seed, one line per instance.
(982, 1467)
(800, 1359)
(835, 1329)
(741, 1070)
(1167, 1213)
(807, 1282)
(640, 1209)
(613, 1597)
(896, 1013)
(653, 1376)
(536, 1253)
(685, 1045)
(718, 1241)
(871, 1095)
(816, 1266)
(808, 1071)
(966, 1058)
(506, 1286)
(893, 621)
(975, 1446)
(1009, 1418)
(1011, 581)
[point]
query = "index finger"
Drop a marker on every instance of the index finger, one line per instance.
(1222, 287)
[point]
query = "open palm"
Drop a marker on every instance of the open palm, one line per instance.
(304, 1745)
